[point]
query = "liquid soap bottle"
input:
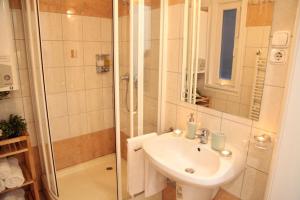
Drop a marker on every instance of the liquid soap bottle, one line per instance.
(191, 127)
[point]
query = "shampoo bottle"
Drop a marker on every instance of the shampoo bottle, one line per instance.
(191, 127)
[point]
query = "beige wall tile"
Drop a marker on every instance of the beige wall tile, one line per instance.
(173, 55)
(107, 79)
(109, 121)
(254, 185)
(106, 29)
(170, 116)
(57, 105)
(55, 80)
(175, 21)
(108, 100)
(172, 87)
(155, 23)
(53, 53)
(94, 99)
(91, 28)
(59, 128)
(254, 36)
(95, 120)
(72, 27)
(250, 56)
(91, 49)
(75, 78)
(51, 26)
(76, 102)
(276, 75)
(93, 79)
(78, 124)
(11, 106)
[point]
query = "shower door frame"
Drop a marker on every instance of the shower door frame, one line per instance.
(163, 44)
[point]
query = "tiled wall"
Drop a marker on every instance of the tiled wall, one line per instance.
(19, 101)
(250, 185)
(79, 99)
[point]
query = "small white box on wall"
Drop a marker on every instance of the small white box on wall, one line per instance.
(281, 39)
(9, 79)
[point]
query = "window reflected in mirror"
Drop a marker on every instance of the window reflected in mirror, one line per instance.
(225, 54)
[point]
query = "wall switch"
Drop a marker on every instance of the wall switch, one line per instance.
(281, 39)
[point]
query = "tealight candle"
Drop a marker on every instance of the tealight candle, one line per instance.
(177, 132)
(226, 153)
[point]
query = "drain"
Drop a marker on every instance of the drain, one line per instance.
(109, 168)
(190, 170)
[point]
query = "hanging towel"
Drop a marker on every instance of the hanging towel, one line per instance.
(16, 178)
(136, 164)
(154, 181)
(4, 168)
(2, 185)
(15, 195)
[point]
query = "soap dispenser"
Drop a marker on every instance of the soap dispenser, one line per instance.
(191, 127)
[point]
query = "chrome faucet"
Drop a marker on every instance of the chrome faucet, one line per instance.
(203, 135)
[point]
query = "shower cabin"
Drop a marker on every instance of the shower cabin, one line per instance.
(96, 79)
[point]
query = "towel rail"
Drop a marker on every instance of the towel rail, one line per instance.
(137, 149)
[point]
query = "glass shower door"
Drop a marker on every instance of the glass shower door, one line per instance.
(138, 45)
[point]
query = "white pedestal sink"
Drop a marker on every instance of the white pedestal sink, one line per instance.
(197, 168)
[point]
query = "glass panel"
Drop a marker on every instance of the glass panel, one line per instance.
(227, 43)
(78, 79)
(138, 75)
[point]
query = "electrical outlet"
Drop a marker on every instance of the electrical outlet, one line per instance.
(278, 56)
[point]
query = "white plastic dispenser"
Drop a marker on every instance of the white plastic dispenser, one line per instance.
(9, 79)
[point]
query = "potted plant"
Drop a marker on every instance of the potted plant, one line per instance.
(14, 127)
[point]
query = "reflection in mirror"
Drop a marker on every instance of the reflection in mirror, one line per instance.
(225, 50)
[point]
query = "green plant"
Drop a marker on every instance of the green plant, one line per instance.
(5, 130)
(14, 127)
(17, 124)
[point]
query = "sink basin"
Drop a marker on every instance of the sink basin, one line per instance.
(197, 168)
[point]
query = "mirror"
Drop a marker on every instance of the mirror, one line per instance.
(225, 48)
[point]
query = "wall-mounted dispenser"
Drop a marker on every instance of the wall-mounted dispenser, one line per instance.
(102, 63)
(9, 79)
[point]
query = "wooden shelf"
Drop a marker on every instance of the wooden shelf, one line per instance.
(13, 146)
(22, 145)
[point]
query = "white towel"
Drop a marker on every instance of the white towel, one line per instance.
(2, 185)
(154, 181)
(4, 168)
(16, 178)
(136, 164)
(15, 195)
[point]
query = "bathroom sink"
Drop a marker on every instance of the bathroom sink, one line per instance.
(194, 166)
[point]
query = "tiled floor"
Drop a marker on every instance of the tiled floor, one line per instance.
(92, 181)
